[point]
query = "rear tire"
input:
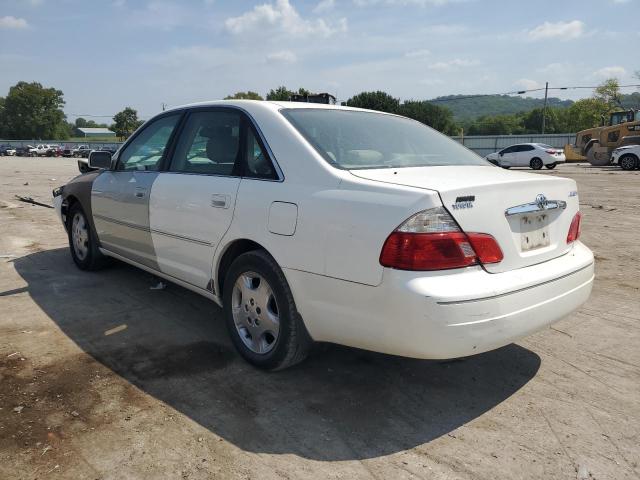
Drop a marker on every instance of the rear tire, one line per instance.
(536, 163)
(551, 166)
(83, 242)
(261, 315)
(628, 162)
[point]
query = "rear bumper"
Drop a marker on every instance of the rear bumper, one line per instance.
(444, 314)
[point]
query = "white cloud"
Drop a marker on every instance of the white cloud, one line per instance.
(196, 57)
(324, 6)
(562, 30)
(454, 64)
(527, 84)
(419, 3)
(13, 22)
(555, 68)
(610, 72)
(418, 53)
(161, 14)
(281, 16)
(283, 56)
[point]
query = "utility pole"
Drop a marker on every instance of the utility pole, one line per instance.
(544, 109)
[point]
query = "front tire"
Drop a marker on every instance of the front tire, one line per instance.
(83, 242)
(536, 163)
(261, 315)
(551, 166)
(628, 162)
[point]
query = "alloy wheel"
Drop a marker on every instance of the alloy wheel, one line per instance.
(255, 312)
(80, 236)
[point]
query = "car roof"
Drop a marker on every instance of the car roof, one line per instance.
(256, 105)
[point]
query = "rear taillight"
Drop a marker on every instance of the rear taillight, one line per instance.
(574, 229)
(550, 151)
(432, 240)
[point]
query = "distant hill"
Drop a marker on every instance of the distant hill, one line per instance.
(471, 108)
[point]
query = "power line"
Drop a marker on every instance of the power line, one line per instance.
(521, 92)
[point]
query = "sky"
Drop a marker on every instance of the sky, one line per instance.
(109, 54)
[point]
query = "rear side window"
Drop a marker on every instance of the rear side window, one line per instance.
(209, 144)
(146, 150)
(526, 148)
(258, 164)
(359, 140)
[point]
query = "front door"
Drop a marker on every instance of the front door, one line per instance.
(192, 203)
(120, 197)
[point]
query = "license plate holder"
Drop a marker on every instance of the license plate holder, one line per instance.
(534, 232)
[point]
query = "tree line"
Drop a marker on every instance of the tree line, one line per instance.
(31, 111)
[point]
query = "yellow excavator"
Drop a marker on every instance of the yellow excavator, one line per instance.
(596, 144)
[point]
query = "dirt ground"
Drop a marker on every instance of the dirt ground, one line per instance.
(102, 377)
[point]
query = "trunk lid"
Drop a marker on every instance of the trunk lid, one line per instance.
(478, 197)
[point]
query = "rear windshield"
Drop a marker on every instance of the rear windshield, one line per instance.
(358, 140)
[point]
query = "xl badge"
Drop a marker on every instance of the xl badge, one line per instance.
(464, 202)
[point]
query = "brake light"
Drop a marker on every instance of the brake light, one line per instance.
(432, 240)
(551, 151)
(574, 229)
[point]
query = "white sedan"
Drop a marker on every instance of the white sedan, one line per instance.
(311, 222)
(533, 155)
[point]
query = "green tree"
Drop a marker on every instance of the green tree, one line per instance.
(425, 112)
(609, 92)
(585, 113)
(3, 126)
(379, 100)
(281, 93)
(496, 125)
(126, 122)
(34, 112)
(248, 95)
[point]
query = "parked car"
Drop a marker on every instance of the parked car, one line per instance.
(312, 222)
(81, 150)
(24, 150)
(54, 151)
(7, 150)
(627, 157)
(67, 151)
(533, 155)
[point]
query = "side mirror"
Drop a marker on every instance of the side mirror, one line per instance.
(100, 160)
(501, 154)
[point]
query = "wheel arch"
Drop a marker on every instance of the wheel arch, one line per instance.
(232, 250)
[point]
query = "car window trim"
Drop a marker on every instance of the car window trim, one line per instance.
(185, 119)
(244, 117)
(116, 161)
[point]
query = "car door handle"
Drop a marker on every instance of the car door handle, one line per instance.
(220, 201)
(140, 192)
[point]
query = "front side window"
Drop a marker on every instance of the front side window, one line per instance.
(509, 150)
(360, 140)
(146, 150)
(209, 144)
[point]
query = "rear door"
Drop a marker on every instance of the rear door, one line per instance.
(120, 197)
(525, 154)
(192, 203)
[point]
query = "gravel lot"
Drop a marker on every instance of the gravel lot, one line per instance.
(103, 378)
